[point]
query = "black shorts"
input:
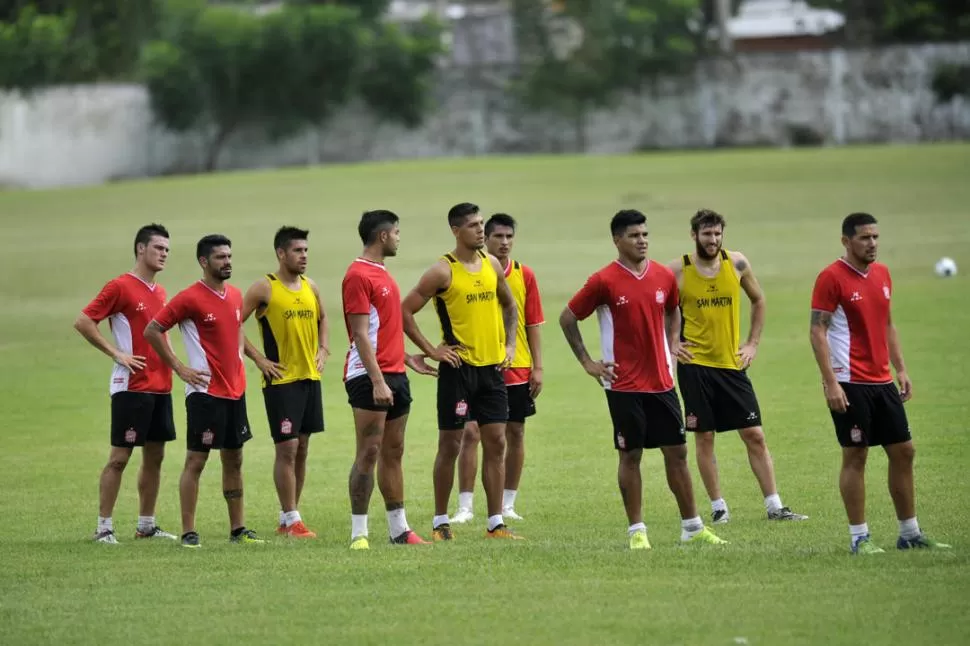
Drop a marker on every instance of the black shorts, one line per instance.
(360, 394)
(471, 393)
(137, 418)
(216, 423)
(875, 417)
(717, 399)
(521, 404)
(645, 420)
(294, 409)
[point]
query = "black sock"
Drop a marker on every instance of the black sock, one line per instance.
(238, 532)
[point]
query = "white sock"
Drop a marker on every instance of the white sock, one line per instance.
(358, 525)
(282, 518)
(773, 502)
(718, 505)
(859, 531)
(636, 527)
(293, 517)
(146, 522)
(508, 498)
(909, 529)
(105, 524)
(691, 527)
(438, 521)
(465, 500)
(397, 522)
(495, 521)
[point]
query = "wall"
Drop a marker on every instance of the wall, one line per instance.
(92, 134)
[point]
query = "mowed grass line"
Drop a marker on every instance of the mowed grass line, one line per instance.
(572, 581)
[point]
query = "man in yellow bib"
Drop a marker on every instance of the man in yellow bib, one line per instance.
(478, 319)
(293, 328)
(712, 363)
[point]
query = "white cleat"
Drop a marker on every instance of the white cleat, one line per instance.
(107, 537)
(509, 512)
(463, 515)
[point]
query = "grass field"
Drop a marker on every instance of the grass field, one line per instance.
(573, 581)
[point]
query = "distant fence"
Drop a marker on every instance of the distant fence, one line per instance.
(92, 134)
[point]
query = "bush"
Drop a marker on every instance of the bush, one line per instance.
(951, 80)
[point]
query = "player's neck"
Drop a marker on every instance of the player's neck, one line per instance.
(287, 277)
(144, 273)
(860, 266)
(214, 284)
(466, 254)
(637, 267)
(504, 261)
(704, 261)
(372, 255)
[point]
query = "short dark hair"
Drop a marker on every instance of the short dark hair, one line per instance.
(458, 213)
(854, 220)
(147, 232)
(286, 235)
(210, 242)
(626, 218)
(373, 222)
(499, 220)
(706, 218)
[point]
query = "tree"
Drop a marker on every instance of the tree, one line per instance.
(587, 53)
(893, 21)
(368, 10)
(38, 50)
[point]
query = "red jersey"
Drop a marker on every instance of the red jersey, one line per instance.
(369, 289)
(631, 309)
(857, 335)
(129, 303)
(210, 323)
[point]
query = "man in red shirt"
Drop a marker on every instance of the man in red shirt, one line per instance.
(636, 303)
(854, 340)
(375, 378)
(209, 315)
(141, 385)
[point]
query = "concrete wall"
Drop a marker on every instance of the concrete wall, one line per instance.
(91, 134)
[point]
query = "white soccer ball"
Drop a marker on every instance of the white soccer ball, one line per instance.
(945, 267)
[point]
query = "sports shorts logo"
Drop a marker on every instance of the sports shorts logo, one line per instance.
(855, 434)
(461, 408)
(692, 421)
(131, 436)
(207, 437)
(286, 427)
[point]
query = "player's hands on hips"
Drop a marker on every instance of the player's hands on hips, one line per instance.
(132, 362)
(382, 394)
(270, 369)
(835, 397)
(417, 363)
(535, 382)
(322, 355)
(746, 355)
(905, 386)
(446, 354)
(600, 370)
(192, 376)
(681, 350)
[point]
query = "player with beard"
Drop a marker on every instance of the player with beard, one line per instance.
(293, 328)
(712, 363)
(209, 314)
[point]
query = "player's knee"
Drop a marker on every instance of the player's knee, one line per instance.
(303, 448)
(854, 459)
(232, 461)
(704, 441)
(392, 451)
(116, 464)
(449, 444)
(493, 443)
(754, 439)
(515, 433)
(675, 455)
(471, 435)
(903, 453)
(367, 456)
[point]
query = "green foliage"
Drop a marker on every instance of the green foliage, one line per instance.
(368, 10)
(894, 21)
(951, 80)
(38, 50)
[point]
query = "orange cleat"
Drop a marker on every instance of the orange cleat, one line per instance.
(502, 532)
(409, 538)
(298, 530)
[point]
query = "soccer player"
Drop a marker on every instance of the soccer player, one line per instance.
(375, 379)
(712, 362)
(209, 315)
(293, 329)
(636, 303)
(854, 341)
(468, 287)
(141, 385)
(523, 380)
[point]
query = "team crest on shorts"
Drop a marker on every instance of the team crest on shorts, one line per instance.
(692, 421)
(620, 442)
(461, 408)
(131, 436)
(855, 434)
(286, 427)
(207, 437)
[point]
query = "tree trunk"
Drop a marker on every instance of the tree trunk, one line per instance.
(579, 123)
(222, 135)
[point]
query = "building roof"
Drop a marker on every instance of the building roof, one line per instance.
(782, 18)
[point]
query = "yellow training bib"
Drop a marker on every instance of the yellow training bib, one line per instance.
(289, 327)
(711, 310)
(470, 314)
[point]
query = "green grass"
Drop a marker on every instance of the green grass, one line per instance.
(572, 581)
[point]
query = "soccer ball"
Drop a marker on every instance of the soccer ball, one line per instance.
(945, 267)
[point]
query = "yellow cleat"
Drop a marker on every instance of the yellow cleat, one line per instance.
(638, 540)
(706, 536)
(360, 543)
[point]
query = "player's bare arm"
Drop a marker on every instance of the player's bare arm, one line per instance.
(599, 370)
(752, 288)
(255, 301)
(818, 333)
(534, 339)
(323, 328)
(155, 335)
(677, 266)
(680, 349)
(438, 277)
(86, 326)
(359, 328)
(510, 311)
(672, 320)
(896, 357)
